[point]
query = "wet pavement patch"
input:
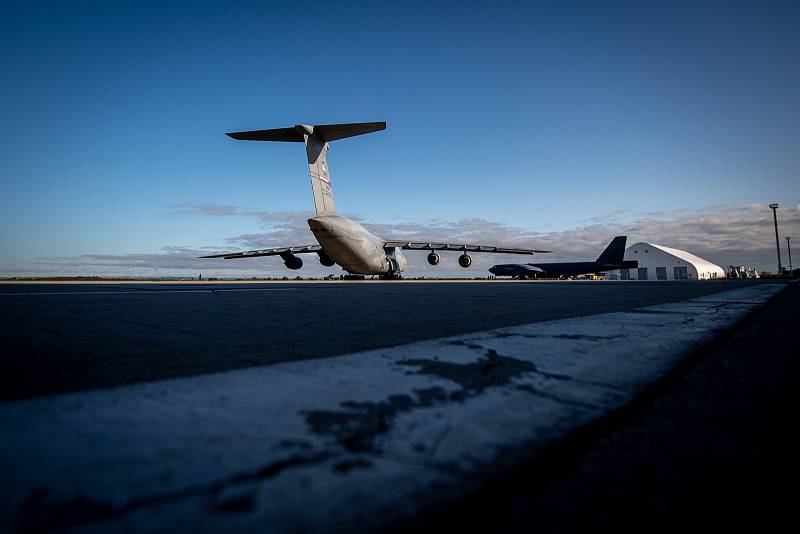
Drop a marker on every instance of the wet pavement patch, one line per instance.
(383, 429)
(358, 424)
(490, 370)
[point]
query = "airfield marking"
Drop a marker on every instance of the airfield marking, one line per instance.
(378, 434)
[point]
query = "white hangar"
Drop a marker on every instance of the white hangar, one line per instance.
(657, 262)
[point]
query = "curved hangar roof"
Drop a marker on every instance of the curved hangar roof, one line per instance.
(703, 268)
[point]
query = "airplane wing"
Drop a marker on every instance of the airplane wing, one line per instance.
(267, 252)
(415, 245)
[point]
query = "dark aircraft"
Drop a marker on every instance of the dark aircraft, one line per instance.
(609, 260)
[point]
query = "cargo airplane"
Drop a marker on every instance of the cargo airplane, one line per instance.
(342, 241)
(609, 260)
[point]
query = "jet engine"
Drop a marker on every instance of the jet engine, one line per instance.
(433, 258)
(465, 260)
(396, 261)
(324, 259)
(291, 261)
(294, 263)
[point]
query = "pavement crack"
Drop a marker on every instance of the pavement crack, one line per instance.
(40, 512)
(586, 337)
(438, 442)
(561, 400)
(577, 337)
(646, 311)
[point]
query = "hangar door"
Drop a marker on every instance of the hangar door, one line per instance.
(681, 273)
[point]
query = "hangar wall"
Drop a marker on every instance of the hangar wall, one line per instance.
(657, 262)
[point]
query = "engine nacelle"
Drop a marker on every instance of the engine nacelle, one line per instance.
(294, 263)
(433, 258)
(465, 260)
(291, 261)
(324, 259)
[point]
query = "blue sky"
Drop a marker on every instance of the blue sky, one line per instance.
(522, 121)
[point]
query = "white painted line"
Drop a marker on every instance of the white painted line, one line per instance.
(148, 291)
(339, 442)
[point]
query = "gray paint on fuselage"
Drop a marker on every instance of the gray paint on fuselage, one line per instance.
(353, 247)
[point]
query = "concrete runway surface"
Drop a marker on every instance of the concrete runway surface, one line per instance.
(393, 420)
(713, 446)
(61, 338)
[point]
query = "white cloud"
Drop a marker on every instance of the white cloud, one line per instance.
(742, 235)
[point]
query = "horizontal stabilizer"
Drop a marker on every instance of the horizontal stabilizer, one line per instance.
(277, 134)
(316, 139)
(324, 132)
(334, 132)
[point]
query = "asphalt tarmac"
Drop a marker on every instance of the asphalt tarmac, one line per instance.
(713, 446)
(560, 426)
(62, 338)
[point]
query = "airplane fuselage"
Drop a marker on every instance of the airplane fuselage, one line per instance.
(354, 248)
(555, 270)
(611, 259)
(343, 241)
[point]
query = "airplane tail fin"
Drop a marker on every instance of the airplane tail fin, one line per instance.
(614, 252)
(316, 139)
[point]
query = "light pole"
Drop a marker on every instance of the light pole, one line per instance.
(789, 246)
(777, 240)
